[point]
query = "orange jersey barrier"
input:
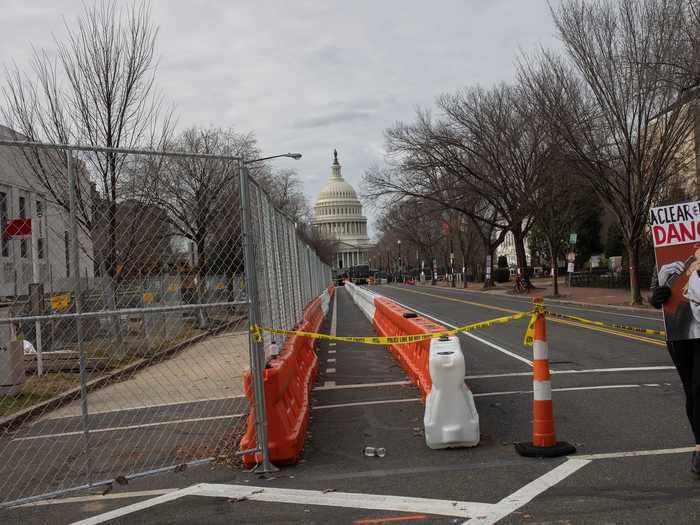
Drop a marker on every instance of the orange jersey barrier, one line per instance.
(413, 357)
(287, 382)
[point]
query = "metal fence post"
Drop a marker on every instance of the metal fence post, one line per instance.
(77, 290)
(257, 359)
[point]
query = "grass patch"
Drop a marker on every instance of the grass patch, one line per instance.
(37, 389)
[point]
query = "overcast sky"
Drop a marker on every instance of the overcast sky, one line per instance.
(312, 75)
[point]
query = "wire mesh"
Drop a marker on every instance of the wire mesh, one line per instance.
(124, 311)
(290, 274)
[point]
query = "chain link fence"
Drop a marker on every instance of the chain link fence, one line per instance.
(126, 295)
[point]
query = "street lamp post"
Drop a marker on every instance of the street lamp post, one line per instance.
(400, 266)
(257, 349)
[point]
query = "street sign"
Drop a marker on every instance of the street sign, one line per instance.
(570, 268)
(572, 238)
(571, 257)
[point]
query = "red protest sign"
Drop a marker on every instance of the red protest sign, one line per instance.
(675, 230)
(18, 228)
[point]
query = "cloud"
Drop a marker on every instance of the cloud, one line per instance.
(311, 75)
(330, 119)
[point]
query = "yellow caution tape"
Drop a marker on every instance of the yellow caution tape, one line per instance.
(538, 309)
(627, 328)
(387, 340)
(530, 333)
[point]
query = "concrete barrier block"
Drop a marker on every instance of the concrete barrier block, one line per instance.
(11, 368)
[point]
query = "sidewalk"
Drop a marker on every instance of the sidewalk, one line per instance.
(543, 287)
(208, 370)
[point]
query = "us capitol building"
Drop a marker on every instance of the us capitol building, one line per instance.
(338, 215)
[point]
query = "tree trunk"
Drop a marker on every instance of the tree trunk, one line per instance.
(633, 254)
(521, 257)
(555, 269)
(200, 287)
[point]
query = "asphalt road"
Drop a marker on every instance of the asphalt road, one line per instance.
(616, 397)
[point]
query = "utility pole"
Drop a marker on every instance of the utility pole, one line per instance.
(400, 267)
(452, 263)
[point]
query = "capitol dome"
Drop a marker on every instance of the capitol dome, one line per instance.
(338, 215)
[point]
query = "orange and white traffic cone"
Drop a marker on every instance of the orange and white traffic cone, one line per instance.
(544, 441)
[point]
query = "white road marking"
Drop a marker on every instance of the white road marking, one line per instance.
(330, 360)
(331, 344)
(330, 370)
(637, 453)
(479, 513)
(331, 351)
(481, 394)
(308, 497)
(99, 497)
(141, 505)
(161, 405)
(530, 491)
(367, 403)
(624, 369)
(129, 427)
(510, 374)
(363, 385)
(327, 385)
(467, 334)
(565, 389)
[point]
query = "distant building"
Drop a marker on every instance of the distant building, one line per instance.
(507, 249)
(338, 215)
(22, 195)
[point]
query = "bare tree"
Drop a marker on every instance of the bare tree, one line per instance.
(285, 189)
(622, 122)
(483, 160)
(416, 223)
(99, 91)
(500, 145)
(201, 198)
(563, 200)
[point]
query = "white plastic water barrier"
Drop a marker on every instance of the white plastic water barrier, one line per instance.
(450, 418)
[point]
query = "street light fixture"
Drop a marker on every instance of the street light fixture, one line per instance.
(295, 156)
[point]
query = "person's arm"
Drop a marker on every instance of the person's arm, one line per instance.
(660, 293)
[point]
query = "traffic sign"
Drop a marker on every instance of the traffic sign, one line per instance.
(571, 257)
(572, 238)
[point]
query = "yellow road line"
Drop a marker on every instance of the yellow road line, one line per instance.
(613, 332)
(482, 305)
(588, 327)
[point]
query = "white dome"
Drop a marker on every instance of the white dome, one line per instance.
(337, 189)
(338, 215)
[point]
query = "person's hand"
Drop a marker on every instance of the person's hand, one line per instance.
(659, 296)
(669, 270)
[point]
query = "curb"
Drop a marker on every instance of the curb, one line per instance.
(10, 422)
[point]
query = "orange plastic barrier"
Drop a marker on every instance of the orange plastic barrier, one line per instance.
(389, 320)
(287, 381)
